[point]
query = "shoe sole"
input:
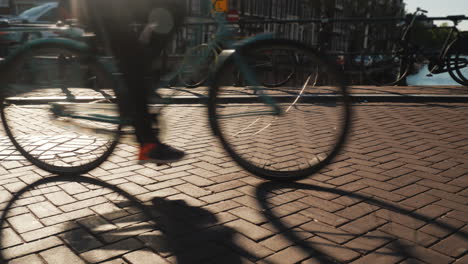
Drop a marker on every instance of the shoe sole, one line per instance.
(157, 162)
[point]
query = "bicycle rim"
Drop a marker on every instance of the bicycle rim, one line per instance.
(196, 66)
(462, 66)
(452, 68)
(388, 64)
(42, 77)
(304, 138)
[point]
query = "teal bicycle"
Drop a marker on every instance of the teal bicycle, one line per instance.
(62, 107)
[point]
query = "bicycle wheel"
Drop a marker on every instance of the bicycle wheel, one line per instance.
(312, 126)
(385, 63)
(275, 68)
(196, 65)
(461, 66)
(44, 78)
(453, 64)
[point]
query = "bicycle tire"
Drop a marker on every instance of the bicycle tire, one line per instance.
(196, 65)
(385, 68)
(452, 69)
(269, 146)
(462, 66)
(273, 74)
(50, 73)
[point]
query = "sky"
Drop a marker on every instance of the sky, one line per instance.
(441, 8)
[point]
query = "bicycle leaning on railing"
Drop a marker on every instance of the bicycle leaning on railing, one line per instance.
(62, 108)
(393, 59)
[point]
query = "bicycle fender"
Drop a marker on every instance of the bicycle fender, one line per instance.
(50, 43)
(223, 57)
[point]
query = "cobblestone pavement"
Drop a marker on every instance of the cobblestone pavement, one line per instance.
(396, 194)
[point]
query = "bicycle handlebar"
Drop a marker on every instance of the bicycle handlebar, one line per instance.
(420, 10)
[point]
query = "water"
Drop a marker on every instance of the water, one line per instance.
(437, 79)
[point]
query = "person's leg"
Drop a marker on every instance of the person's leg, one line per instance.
(135, 55)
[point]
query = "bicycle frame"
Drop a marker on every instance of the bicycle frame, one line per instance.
(437, 60)
(85, 48)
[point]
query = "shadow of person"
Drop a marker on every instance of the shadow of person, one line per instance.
(117, 224)
(186, 233)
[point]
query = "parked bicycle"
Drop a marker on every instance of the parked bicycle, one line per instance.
(199, 60)
(66, 117)
(393, 59)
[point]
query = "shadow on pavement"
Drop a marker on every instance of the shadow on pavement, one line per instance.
(172, 228)
(318, 248)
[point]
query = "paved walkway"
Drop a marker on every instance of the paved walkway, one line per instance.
(396, 194)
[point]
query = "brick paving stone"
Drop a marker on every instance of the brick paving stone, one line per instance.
(10, 238)
(401, 231)
(411, 190)
(82, 204)
(420, 200)
(343, 179)
(97, 224)
(60, 255)
(401, 218)
(197, 180)
(382, 256)
(28, 248)
(289, 255)
(337, 252)
(432, 211)
(403, 180)
(448, 196)
(109, 211)
(133, 188)
(115, 261)
(47, 231)
(422, 253)
(60, 198)
(364, 224)
(440, 186)
(222, 206)
(164, 184)
(29, 259)
(80, 240)
(357, 210)
(250, 230)
(288, 209)
(324, 216)
(462, 216)
(258, 249)
(249, 214)
(369, 242)
(72, 188)
(145, 256)
(193, 190)
(111, 250)
(383, 194)
(334, 234)
(322, 204)
(52, 220)
(221, 196)
(455, 245)
(281, 241)
(24, 223)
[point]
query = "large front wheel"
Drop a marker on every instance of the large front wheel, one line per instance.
(283, 133)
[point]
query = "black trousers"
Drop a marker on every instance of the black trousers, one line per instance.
(135, 31)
